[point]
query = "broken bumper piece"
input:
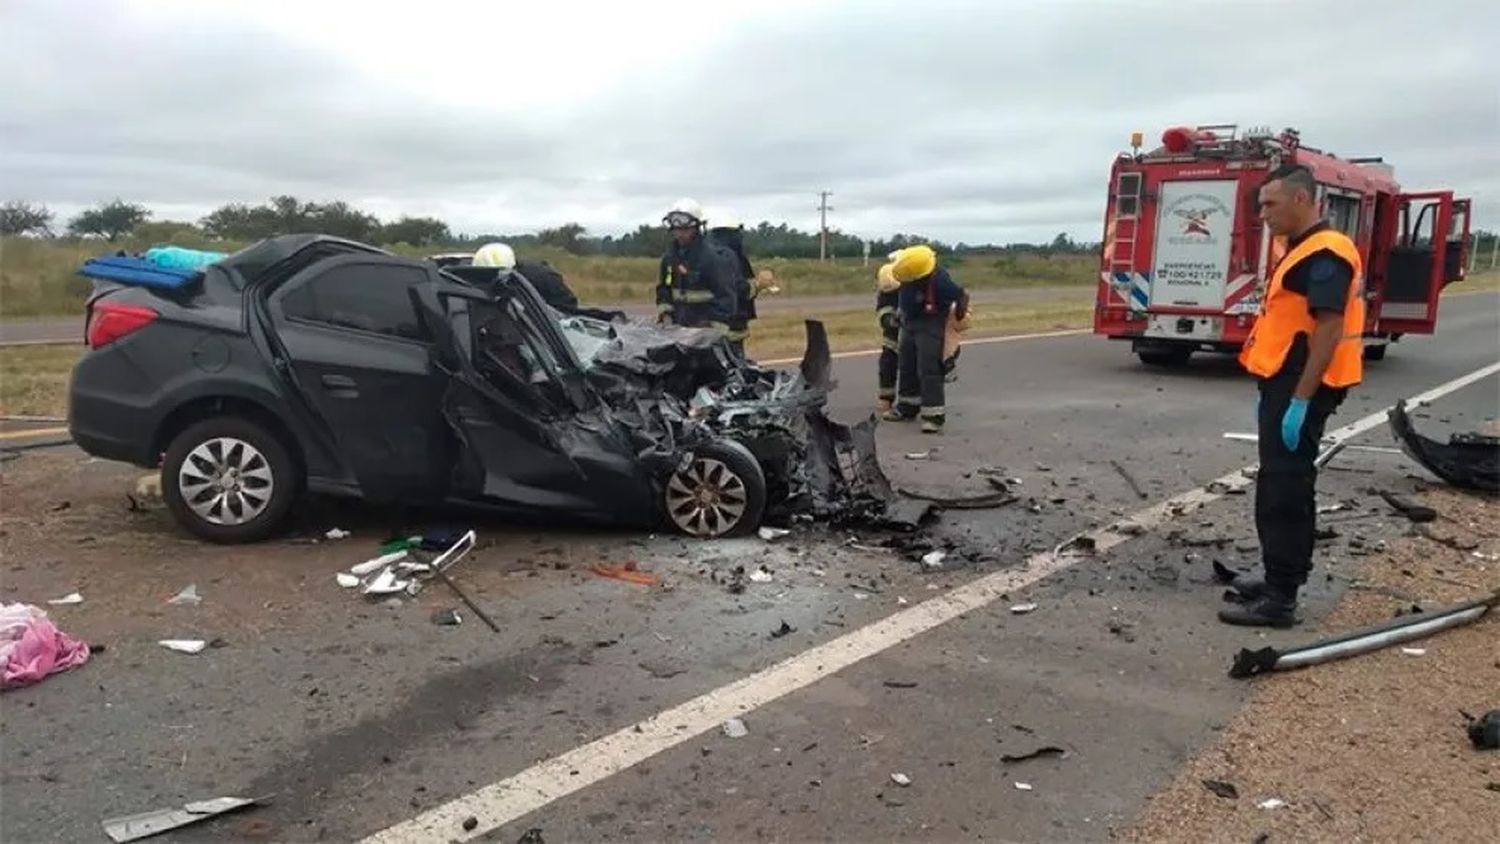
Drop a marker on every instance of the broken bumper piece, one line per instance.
(1467, 461)
(1249, 663)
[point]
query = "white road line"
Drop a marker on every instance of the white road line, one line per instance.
(516, 796)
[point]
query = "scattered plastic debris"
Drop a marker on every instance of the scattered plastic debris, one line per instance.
(447, 618)
(735, 728)
(1409, 507)
(147, 824)
(1414, 651)
(372, 566)
(67, 600)
(919, 455)
(336, 534)
(1023, 786)
(348, 581)
(1484, 731)
(1023, 609)
(1036, 753)
(185, 646)
(761, 575)
(1272, 803)
(188, 597)
(628, 573)
(1219, 788)
(771, 534)
(934, 559)
(783, 630)
(386, 583)
(901, 779)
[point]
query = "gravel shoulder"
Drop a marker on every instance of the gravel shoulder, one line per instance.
(1371, 748)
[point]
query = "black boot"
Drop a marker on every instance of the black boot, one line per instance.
(1273, 608)
(1246, 590)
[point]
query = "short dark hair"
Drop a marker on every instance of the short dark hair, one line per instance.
(1296, 177)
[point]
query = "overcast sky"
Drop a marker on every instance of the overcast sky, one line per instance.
(978, 121)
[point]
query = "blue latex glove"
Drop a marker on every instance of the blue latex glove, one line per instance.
(1292, 422)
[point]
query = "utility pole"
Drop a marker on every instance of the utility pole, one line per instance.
(823, 209)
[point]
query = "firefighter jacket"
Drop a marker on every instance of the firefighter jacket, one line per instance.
(695, 285)
(1285, 314)
(934, 295)
(732, 243)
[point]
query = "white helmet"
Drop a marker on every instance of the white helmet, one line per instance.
(725, 220)
(495, 255)
(684, 213)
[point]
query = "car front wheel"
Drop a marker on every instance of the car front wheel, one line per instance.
(228, 480)
(721, 492)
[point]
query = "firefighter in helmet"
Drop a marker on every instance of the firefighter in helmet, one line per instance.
(727, 233)
(1306, 351)
(888, 316)
(928, 294)
(695, 284)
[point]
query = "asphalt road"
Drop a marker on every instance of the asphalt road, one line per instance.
(357, 718)
(70, 329)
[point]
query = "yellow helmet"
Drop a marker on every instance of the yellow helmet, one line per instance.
(495, 255)
(914, 263)
(885, 280)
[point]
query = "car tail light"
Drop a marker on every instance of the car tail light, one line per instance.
(108, 323)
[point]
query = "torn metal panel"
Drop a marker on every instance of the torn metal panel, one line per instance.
(147, 824)
(1468, 461)
(1248, 663)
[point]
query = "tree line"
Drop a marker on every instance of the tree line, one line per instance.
(290, 215)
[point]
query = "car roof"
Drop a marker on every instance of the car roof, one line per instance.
(254, 260)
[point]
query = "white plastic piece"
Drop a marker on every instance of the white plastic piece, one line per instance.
(188, 597)
(185, 646)
(760, 575)
(337, 534)
(771, 534)
(1023, 786)
(372, 566)
(348, 581)
(735, 728)
(901, 779)
(1022, 609)
(934, 559)
(66, 600)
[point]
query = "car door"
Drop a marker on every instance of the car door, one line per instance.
(534, 436)
(1421, 245)
(362, 352)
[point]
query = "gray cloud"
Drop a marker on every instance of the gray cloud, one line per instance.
(965, 120)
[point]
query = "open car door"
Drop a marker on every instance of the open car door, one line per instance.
(533, 437)
(1422, 243)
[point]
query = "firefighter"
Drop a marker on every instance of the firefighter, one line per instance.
(925, 298)
(695, 284)
(1306, 351)
(889, 318)
(727, 233)
(549, 283)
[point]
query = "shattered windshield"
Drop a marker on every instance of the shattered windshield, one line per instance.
(587, 336)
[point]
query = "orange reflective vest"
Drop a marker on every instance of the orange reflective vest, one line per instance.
(1284, 315)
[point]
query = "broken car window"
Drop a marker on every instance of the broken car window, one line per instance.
(364, 297)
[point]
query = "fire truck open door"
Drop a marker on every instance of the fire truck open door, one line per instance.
(1421, 244)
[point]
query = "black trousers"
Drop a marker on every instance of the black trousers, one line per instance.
(1286, 509)
(920, 384)
(890, 346)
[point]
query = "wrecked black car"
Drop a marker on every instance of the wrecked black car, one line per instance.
(310, 363)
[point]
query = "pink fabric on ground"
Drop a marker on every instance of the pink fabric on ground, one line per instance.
(33, 648)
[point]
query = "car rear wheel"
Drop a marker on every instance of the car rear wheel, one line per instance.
(721, 492)
(229, 480)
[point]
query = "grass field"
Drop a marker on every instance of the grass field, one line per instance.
(39, 277)
(34, 379)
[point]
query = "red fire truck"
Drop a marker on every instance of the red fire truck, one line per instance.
(1185, 256)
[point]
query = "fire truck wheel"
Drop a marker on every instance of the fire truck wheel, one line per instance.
(1165, 357)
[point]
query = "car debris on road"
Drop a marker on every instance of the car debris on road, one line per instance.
(1467, 461)
(147, 824)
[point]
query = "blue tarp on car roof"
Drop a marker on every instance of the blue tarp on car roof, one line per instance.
(138, 271)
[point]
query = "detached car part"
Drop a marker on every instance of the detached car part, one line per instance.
(1468, 461)
(1248, 663)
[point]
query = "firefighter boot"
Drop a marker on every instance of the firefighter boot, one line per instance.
(932, 424)
(1247, 590)
(1274, 608)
